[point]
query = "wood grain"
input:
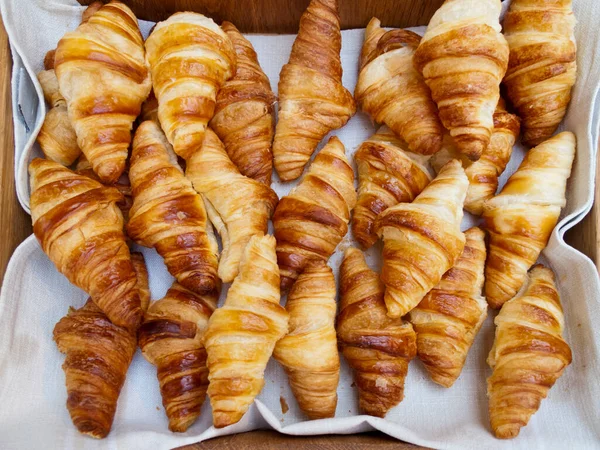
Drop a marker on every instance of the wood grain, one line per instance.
(271, 439)
(282, 16)
(15, 223)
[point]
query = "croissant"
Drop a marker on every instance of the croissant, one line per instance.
(388, 174)
(391, 91)
(312, 99)
(239, 207)
(463, 57)
(168, 214)
(522, 216)
(542, 64)
(244, 118)
(484, 173)
(377, 347)
(80, 228)
(83, 167)
(309, 351)
(171, 339)
(313, 218)
(103, 76)
(57, 137)
(451, 314)
(241, 335)
(98, 355)
(529, 353)
(422, 240)
(190, 57)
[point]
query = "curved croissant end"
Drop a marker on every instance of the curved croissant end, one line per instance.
(465, 83)
(190, 57)
(377, 347)
(313, 218)
(171, 339)
(529, 353)
(244, 118)
(391, 91)
(312, 99)
(449, 317)
(242, 333)
(98, 355)
(542, 65)
(168, 214)
(104, 78)
(522, 216)
(388, 174)
(422, 240)
(239, 207)
(309, 351)
(484, 173)
(80, 228)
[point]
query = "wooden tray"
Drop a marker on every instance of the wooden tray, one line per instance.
(264, 16)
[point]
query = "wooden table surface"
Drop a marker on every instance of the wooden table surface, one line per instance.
(16, 224)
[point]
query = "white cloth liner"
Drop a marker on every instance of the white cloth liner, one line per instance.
(35, 296)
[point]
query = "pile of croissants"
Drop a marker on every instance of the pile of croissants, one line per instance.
(173, 138)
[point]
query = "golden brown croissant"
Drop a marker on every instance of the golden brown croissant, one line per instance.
(312, 99)
(98, 355)
(57, 137)
(171, 339)
(244, 118)
(388, 174)
(168, 214)
(103, 76)
(377, 347)
(422, 239)
(463, 57)
(391, 91)
(83, 167)
(242, 333)
(529, 353)
(309, 351)
(313, 218)
(483, 174)
(522, 216)
(80, 228)
(239, 207)
(451, 314)
(542, 64)
(190, 57)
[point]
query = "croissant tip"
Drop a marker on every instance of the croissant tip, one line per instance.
(508, 431)
(222, 419)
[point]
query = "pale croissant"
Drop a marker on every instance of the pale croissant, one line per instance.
(451, 314)
(388, 174)
(168, 214)
(190, 57)
(391, 91)
(484, 173)
(312, 99)
(80, 228)
(171, 339)
(313, 218)
(529, 353)
(522, 216)
(309, 351)
(244, 118)
(104, 78)
(422, 240)
(242, 333)
(543, 64)
(463, 58)
(377, 347)
(239, 207)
